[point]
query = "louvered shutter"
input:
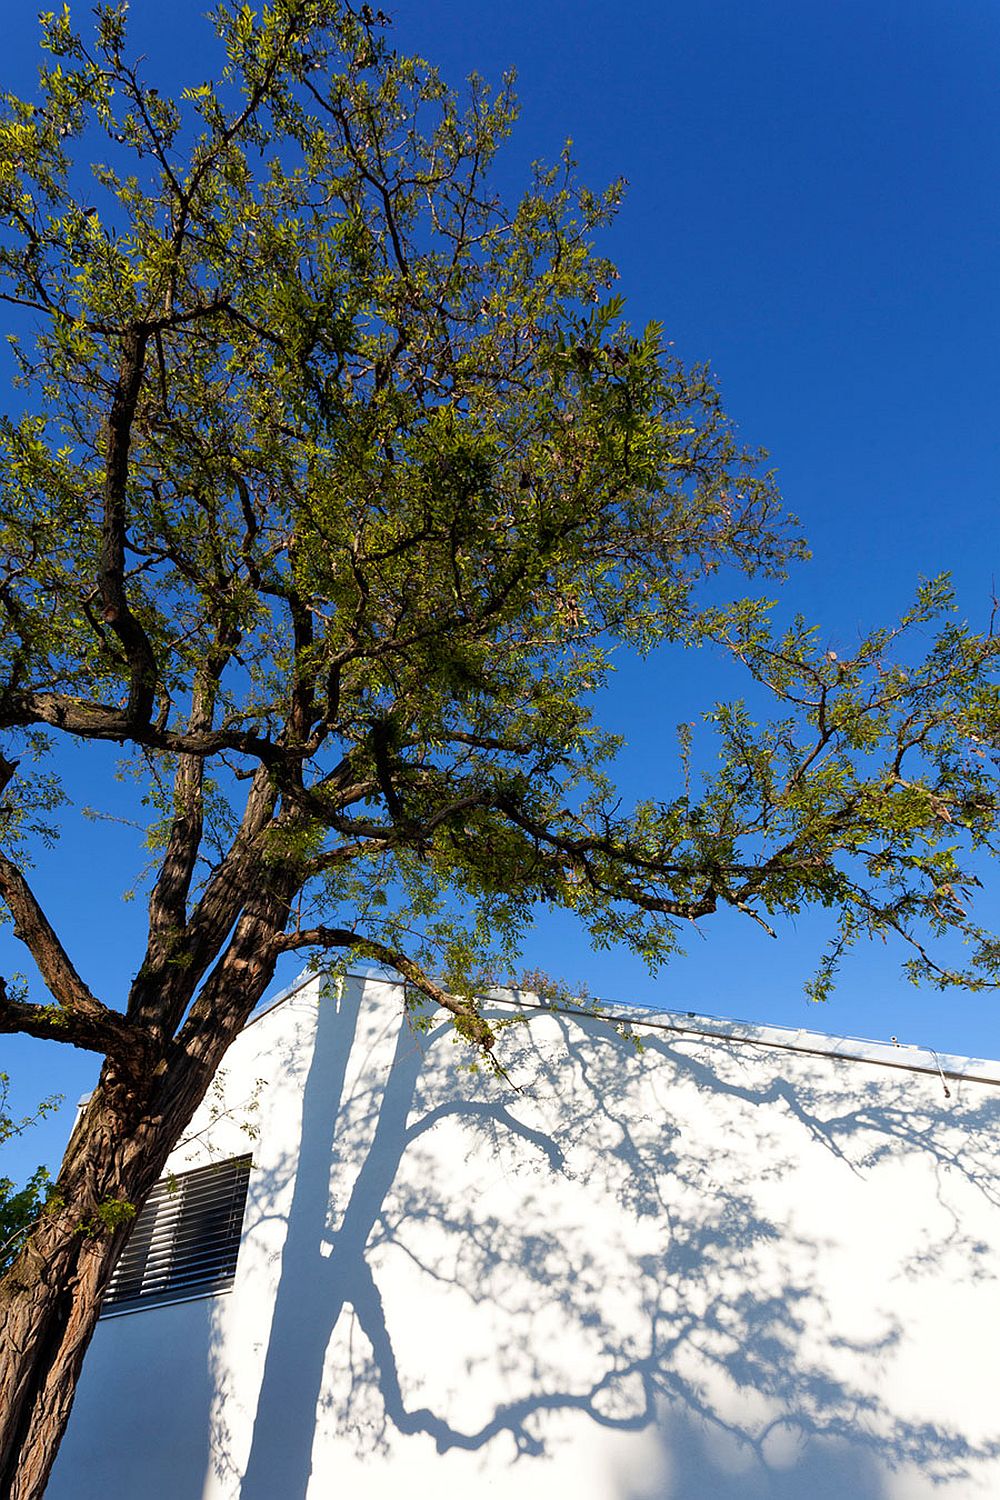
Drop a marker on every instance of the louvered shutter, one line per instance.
(186, 1240)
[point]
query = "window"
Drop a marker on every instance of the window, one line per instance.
(186, 1239)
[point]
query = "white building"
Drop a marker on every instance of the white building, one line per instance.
(739, 1264)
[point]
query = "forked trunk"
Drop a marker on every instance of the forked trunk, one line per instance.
(50, 1299)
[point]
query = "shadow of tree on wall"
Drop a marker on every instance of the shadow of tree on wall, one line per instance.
(460, 1216)
(698, 1462)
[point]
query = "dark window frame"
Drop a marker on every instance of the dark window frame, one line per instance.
(185, 1243)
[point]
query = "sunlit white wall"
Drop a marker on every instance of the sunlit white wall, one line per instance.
(707, 1268)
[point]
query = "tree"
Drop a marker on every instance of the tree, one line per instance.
(337, 485)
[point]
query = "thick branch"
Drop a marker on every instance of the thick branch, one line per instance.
(240, 977)
(107, 1033)
(300, 716)
(34, 930)
(164, 988)
(168, 898)
(111, 576)
(79, 1017)
(101, 721)
(471, 1024)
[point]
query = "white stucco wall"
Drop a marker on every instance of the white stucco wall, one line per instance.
(712, 1270)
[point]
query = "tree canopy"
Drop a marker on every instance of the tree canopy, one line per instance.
(334, 485)
(338, 473)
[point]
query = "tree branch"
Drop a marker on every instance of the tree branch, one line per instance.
(166, 989)
(34, 930)
(111, 575)
(469, 1022)
(109, 1034)
(102, 721)
(168, 898)
(79, 1017)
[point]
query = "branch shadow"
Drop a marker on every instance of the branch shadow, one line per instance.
(507, 1272)
(694, 1461)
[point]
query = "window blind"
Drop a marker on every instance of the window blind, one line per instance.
(186, 1240)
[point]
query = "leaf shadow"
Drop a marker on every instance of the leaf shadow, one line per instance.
(691, 1309)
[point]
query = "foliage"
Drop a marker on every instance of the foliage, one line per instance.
(20, 1207)
(337, 486)
(109, 1215)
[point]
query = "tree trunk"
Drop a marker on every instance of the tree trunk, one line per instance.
(50, 1299)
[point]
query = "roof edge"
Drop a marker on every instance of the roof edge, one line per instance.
(908, 1056)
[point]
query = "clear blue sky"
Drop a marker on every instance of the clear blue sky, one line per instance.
(813, 209)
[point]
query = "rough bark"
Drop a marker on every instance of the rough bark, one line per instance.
(50, 1300)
